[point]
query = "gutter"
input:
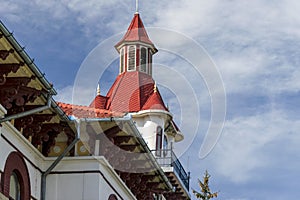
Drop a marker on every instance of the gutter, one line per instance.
(58, 159)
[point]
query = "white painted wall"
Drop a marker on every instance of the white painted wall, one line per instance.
(21, 144)
(147, 123)
(97, 182)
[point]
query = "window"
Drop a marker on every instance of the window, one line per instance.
(122, 61)
(14, 187)
(143, 64)
(15, 182)
(165, 146)
(158, 141)
(131, 58)
(150, 64)
(112, 197)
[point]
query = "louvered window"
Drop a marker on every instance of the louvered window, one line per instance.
(131, 58)
(143, 66)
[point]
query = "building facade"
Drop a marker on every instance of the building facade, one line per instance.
(118, 147)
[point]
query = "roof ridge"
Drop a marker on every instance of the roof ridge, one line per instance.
(112, 88)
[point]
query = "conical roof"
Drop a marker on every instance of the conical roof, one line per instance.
(136, 32)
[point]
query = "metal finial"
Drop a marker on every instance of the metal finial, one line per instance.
(136, 6)
(98, 89)
(155, 87)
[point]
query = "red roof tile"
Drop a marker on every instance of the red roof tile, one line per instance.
(99, 102)
(136, 32)
(130, 92)
(133, 92)
(87, 112)
(155, 102)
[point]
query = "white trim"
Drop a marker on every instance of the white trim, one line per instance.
(128, 43)
(122, 67)
(14, 135)
(3, 111)
(79, 161)
(142, 113)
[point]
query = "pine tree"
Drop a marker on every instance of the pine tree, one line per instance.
(205, 193)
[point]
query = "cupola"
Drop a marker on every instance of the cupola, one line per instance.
(136, 49)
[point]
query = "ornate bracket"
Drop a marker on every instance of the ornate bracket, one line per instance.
(5, 53)
(6, 68)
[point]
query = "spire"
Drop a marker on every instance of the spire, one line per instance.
(155, 87)
(136, 32)
(98, 90)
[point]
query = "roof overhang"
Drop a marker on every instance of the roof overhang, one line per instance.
(121, 143)
(27, 97)
(119, 46)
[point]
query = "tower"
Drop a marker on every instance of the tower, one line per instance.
(134, 90)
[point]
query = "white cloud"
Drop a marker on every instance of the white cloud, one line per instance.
(243, 149)
(251, 42)
(82, 95)
(255, 46)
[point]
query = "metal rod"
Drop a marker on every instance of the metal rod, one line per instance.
(136, 6)
(58, 159)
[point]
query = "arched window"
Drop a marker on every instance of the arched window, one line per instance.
(15, 182)
(158, 141)
(112, 197)
(131, 58)
(14, 187)
(122, 61)
(143, 64)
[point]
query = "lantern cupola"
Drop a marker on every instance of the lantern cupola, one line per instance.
(135, 48)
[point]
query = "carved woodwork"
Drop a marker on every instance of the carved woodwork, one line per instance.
(36, 119)
(47, 136)
(6, 68)
(17, 81)
(19, 109)
(118, 140)
(128, 147)
(17, 95)
(112, 132)
(5, 53)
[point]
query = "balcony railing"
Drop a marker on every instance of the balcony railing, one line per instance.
(167, 158)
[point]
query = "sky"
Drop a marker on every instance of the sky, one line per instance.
(249, 51)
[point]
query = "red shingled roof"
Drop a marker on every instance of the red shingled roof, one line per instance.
(130, 91)
(136, 32)
(87, 112)
(99, 102)
(155, 102)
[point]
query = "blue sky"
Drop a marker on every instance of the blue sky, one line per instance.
(254, 46)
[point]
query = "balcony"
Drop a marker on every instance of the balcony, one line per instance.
(167, 159)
